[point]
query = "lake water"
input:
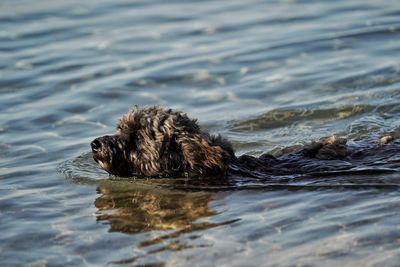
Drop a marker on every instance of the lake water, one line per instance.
(265, 74)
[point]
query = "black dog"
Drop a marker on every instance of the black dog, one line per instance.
(153, 142)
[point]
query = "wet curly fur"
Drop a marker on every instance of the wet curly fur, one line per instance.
(154, 142)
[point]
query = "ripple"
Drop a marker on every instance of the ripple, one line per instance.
(82, 170)
(283, 117)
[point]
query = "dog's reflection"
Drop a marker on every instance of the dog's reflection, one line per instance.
(133, 207)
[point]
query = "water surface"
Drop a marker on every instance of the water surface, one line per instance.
(266, 74)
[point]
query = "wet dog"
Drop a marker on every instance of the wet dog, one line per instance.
(155, 142)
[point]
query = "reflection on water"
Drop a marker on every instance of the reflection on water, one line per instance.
(131, 207)
(134, 207)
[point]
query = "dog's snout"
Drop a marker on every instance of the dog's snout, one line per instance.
(96, 145)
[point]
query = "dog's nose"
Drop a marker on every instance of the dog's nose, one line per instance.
(96, 145)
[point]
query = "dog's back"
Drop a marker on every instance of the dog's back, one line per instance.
(328, 155)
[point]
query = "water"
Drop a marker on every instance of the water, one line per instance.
(266, 74)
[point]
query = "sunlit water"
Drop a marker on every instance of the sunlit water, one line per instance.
(266, 74)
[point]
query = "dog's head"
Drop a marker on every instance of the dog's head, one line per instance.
(152, 142)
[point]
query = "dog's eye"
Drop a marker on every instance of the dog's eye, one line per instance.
(120, 146)
(125, 143)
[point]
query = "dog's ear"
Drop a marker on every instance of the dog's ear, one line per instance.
(128, 125)
(201, 157)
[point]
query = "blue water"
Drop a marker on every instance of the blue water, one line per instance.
(265, 74)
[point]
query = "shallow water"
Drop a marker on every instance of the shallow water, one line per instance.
(266, 74)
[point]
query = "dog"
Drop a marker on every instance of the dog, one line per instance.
(156, 142)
